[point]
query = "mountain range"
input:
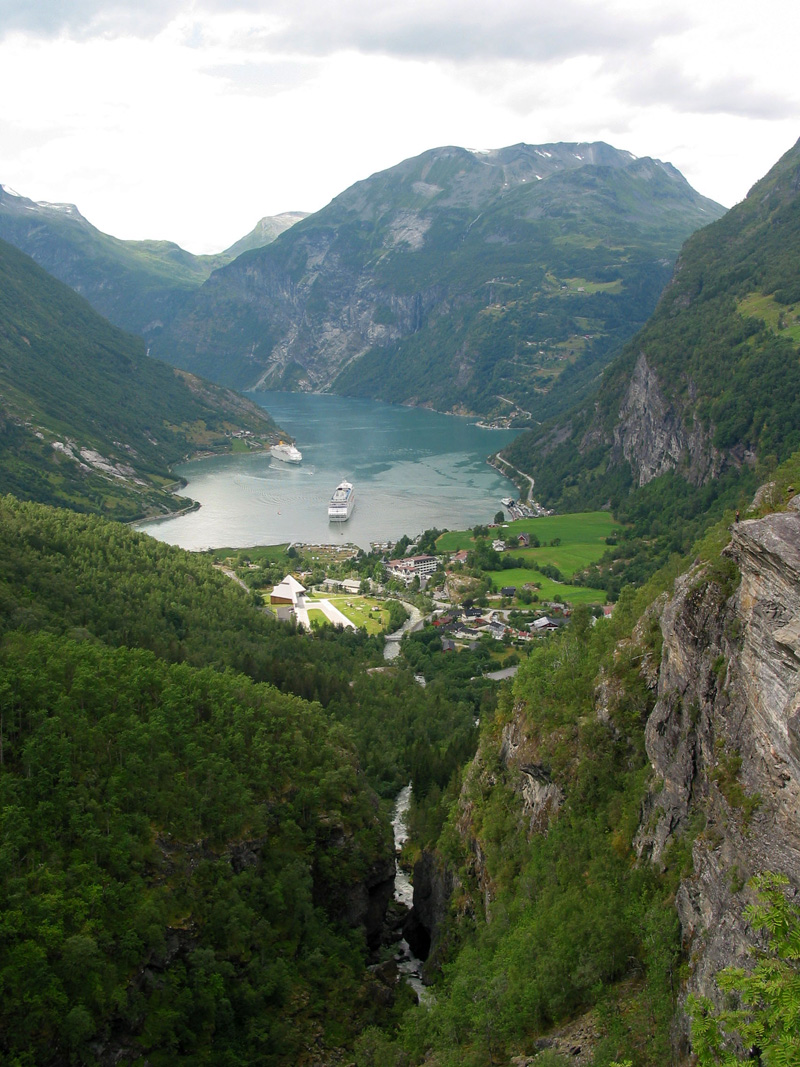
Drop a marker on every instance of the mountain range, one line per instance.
(194, 865)
(137, 285)
(711, 386)
(496, 282)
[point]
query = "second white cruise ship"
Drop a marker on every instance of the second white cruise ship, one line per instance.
(342, 502)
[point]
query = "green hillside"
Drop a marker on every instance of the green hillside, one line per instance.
(187, 853)
(86, 418)
(134, 284)
(190, 845)
(706, 398)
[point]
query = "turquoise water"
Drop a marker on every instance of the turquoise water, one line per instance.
(412, 469)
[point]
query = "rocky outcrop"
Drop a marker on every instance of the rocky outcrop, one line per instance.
(540, 797)
(539, 801)
(654, 437)
(359, 901)
(724, 738)
(364, 904)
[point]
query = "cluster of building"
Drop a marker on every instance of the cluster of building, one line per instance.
(468, 624)
(515, 509)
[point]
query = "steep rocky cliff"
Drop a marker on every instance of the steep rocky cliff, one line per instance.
(654, 435)
(724, 739)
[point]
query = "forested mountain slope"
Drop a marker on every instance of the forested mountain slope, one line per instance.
(460, 280)
(86, 418)
(182, 851)
(184, 847)
(711, 385)
(137, 285)
(79, 574)
(192, 862)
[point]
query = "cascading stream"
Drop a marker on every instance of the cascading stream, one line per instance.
(407, 963)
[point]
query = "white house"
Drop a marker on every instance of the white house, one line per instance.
(412, 567)
(286, 596)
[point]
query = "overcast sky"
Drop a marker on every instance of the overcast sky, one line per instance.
(192, 120)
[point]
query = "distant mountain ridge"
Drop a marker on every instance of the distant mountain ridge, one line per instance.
(264, 232)
(462, 280)
(137, 285)
(87, 420)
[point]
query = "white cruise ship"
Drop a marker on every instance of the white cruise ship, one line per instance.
(342, 502)
(287, 452)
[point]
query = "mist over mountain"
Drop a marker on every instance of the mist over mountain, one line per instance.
(496, 282)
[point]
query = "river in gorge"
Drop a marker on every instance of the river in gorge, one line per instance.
(409, 967)
(412, 470)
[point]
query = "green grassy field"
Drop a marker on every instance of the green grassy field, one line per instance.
(317, 617)
(262, 554)
(575, 594)
(778, 317)
(582, 540)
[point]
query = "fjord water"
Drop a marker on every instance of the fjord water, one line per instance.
(412, 469)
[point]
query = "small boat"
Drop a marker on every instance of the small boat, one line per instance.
(342, 502)
(289, 453)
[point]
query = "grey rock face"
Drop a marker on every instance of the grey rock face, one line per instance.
(724, 740)
(434, 884)
(541, 798)
(653, 437)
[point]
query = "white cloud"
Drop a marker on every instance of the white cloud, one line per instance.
(190, 120)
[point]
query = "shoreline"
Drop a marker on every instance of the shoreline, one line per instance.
(428, 475)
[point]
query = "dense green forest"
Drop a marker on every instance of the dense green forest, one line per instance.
(170, 883)
(188, 804)
(187, 810)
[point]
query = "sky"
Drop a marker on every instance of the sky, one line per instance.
(189, 120)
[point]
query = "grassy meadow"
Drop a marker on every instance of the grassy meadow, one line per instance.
(580, 540)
